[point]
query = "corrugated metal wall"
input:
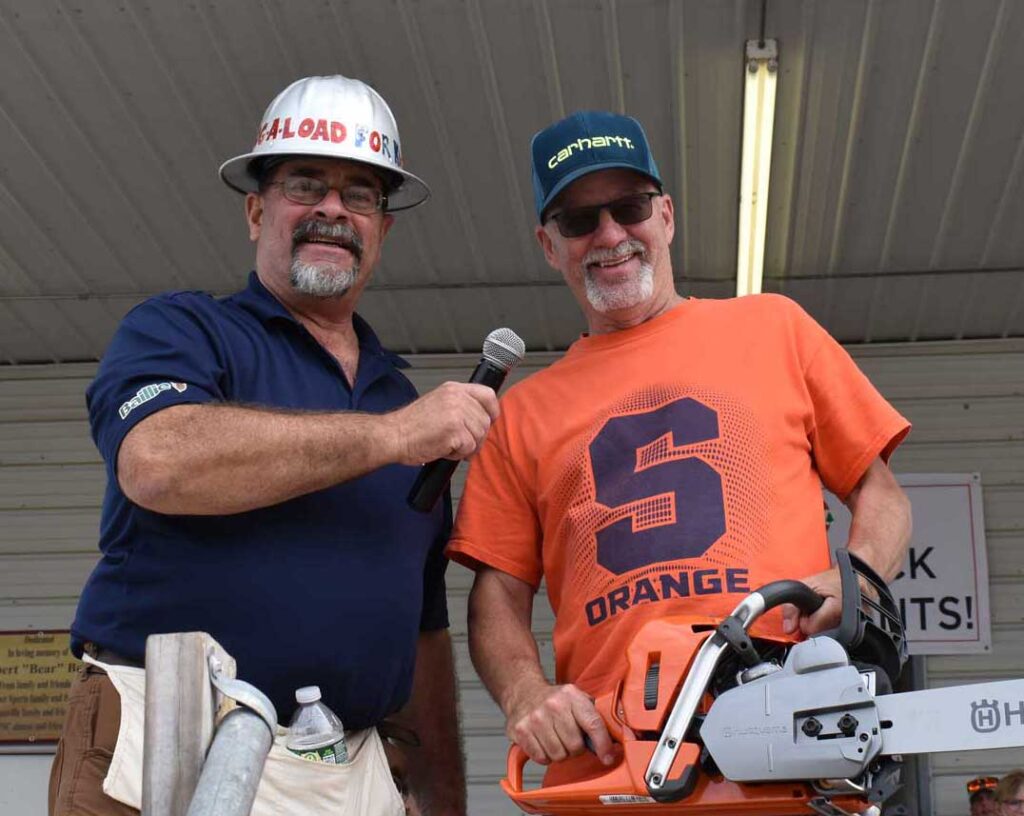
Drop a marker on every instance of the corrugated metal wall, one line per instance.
(966, 401)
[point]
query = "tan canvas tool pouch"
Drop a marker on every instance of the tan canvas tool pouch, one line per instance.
(361, 787)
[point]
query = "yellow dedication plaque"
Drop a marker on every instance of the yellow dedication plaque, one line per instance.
(36, 670)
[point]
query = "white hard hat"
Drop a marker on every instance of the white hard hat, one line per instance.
(334, 117)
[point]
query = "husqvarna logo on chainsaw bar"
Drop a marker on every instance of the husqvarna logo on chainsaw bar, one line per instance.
(987, 716)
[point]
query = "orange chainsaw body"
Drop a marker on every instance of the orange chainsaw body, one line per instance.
(635, 717)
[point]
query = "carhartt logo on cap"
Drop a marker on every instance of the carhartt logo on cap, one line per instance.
(585, 142)
(595, 142)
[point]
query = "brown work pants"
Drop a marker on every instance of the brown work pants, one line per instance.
(86, 748)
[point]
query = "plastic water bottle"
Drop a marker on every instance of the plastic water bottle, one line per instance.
(315, 732)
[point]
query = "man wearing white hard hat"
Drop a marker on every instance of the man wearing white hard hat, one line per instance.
(259, 449)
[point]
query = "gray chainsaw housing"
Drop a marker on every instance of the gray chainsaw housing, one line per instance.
(789, 725)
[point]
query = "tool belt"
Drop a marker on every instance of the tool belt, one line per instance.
(289, 784)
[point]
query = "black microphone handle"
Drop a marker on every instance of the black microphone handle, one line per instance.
(487, 373)
(434, 476)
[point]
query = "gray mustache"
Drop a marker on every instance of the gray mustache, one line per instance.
(342, 234)
(627, 247)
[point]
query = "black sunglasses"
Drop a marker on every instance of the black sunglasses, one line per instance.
(579, 221)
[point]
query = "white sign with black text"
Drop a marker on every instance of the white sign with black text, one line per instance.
(942, 590)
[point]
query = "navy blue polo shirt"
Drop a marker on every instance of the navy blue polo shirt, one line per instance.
(329, 589)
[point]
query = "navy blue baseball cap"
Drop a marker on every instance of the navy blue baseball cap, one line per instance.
(582, 143)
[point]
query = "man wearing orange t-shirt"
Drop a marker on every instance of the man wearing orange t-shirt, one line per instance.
(671, 461)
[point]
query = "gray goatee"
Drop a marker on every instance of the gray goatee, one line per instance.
(606, 298)
(325, 279)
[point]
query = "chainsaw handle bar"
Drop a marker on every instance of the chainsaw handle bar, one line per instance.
(769, 596)
(792, 592)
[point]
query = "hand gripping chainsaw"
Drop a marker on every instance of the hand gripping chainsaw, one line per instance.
(713, 722)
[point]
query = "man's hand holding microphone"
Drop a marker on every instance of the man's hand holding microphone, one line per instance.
(460, 435)
(449, 422)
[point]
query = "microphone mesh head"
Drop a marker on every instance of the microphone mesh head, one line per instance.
(504, 348)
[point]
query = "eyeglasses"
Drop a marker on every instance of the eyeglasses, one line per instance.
(576, 222)
(357, 198)
(982, 783)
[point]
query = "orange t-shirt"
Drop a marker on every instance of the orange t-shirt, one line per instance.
(672, 467)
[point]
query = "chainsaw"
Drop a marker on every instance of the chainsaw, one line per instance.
(713, 721)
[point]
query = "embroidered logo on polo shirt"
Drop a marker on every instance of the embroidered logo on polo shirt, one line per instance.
(146, 393)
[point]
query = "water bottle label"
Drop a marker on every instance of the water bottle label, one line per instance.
(336, 754)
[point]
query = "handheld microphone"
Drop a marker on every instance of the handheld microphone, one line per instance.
(503, 349)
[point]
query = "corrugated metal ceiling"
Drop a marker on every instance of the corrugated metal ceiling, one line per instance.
(897, 191)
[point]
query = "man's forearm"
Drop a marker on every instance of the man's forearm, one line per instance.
(510, 669)
(881, 523)
(879, 535)
(215, 459)
(501, 643)
(549, 722)
(220, 459)
(436, 771)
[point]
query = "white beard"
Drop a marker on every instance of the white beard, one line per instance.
(322, 280)
(611, 297)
